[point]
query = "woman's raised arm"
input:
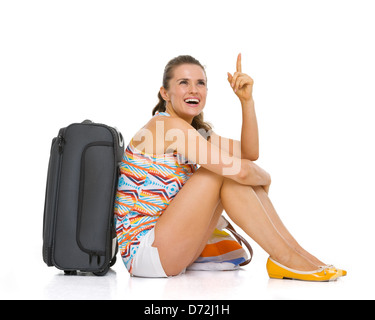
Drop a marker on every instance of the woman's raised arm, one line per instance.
(242, 86)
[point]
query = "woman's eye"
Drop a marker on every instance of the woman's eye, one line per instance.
(202, 83)
(183, 82)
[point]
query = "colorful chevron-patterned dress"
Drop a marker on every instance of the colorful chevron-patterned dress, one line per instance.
(147, 184)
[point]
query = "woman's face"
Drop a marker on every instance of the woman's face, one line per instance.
(186, 96)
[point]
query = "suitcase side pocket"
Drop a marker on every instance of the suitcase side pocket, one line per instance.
(95, 204)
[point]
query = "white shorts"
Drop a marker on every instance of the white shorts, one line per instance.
(146, 262)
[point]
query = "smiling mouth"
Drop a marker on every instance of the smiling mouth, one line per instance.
(192, 101)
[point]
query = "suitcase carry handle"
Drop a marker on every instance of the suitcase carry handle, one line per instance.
(120, 138)
(87, 121)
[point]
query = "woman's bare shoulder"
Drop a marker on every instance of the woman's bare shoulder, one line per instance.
(158, 129)
(166, 123)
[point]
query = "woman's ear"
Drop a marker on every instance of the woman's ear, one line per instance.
(164, 94)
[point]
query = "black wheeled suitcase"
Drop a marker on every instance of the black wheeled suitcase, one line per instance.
(78, 225)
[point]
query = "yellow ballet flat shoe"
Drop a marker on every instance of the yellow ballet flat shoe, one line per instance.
(340, 272)
(278, 271)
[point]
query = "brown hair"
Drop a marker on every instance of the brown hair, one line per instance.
(198, 122)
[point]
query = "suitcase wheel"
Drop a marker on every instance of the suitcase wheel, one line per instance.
(102, 272)
(106, 269)
(70, 273)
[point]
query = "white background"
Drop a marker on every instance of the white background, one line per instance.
(313, 65)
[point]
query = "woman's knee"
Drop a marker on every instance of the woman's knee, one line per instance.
(209, 175)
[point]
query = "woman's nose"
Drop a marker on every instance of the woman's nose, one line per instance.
(193, 88)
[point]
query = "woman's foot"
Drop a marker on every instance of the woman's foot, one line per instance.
(278, 271)
(317, 262)
(310, 257)
(295, 261)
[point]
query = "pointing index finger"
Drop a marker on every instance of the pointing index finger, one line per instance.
(239, 67)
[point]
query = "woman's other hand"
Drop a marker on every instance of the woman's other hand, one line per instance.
(241, 83)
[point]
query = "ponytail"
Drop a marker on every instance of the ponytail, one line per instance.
(161, 106)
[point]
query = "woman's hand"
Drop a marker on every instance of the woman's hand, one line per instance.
(241, 83)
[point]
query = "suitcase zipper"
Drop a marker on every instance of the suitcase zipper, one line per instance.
(61, 143)
(51, 228)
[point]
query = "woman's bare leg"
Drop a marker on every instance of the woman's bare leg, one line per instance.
(275, 219)
(185, 224)
(190, 218)
(265, 200)
(239, 199)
